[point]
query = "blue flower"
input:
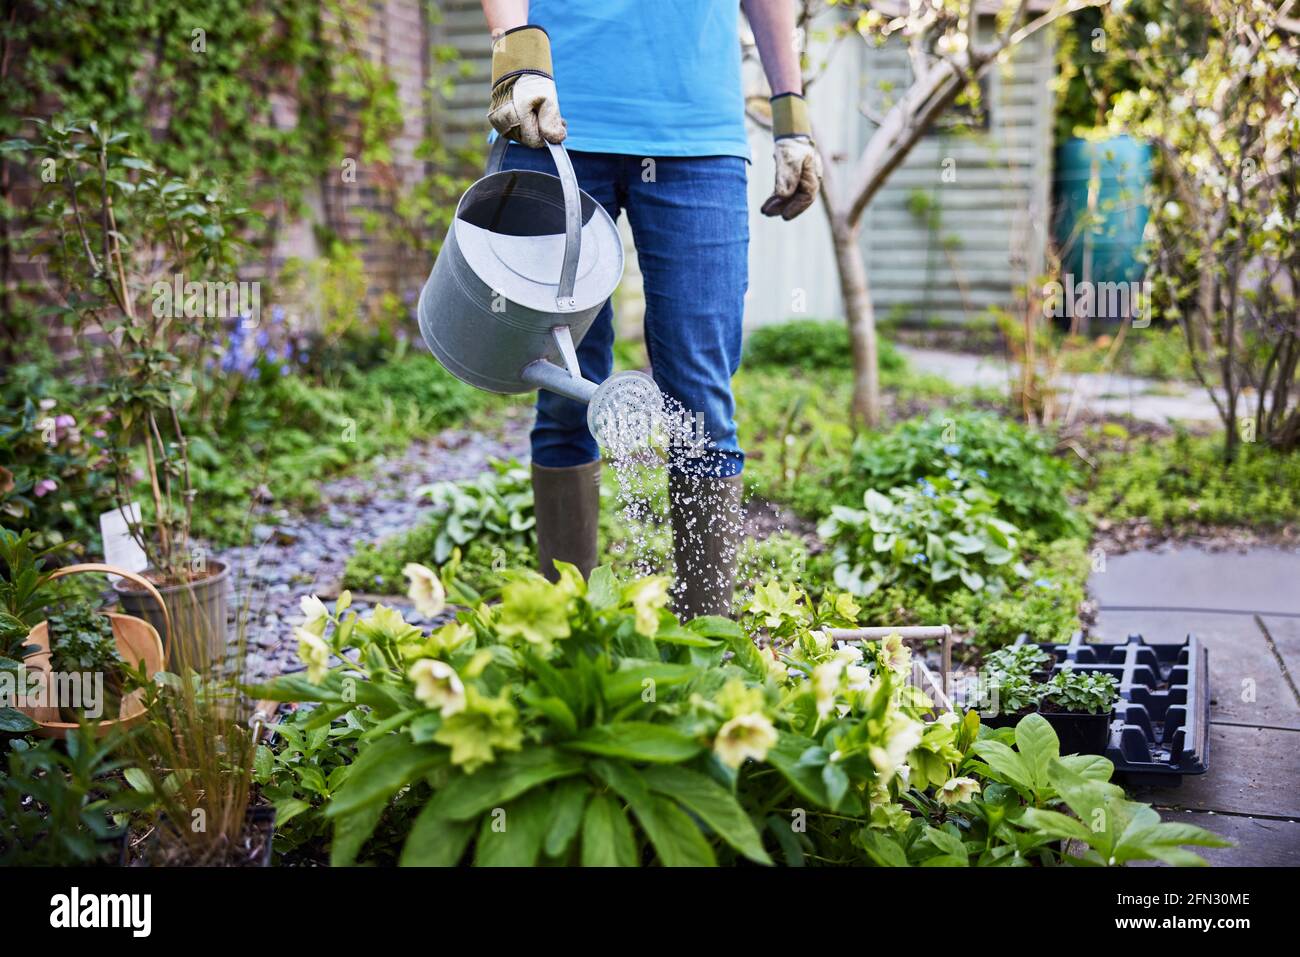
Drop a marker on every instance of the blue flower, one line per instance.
(284, 370)
(929, 492)
(277, 314)
(952, 474)
(982, 473)
(919, 558)
(952, 448)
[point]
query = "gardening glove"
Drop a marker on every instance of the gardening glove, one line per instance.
(798, 164)
(524, 104)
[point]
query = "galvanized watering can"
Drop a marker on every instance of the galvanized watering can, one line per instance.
(527, 264)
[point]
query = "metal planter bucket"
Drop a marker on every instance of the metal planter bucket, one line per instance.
(528, 262)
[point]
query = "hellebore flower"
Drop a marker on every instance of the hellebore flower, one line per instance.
(648, 595)
(744, 736)
(895, 655)
(314, 613)
(438, 686)
(44, 487)
(426, 589)
(314, 653)
(957, 790)
(478, 730)
(901, 737)
(6, 480)
(535, 610)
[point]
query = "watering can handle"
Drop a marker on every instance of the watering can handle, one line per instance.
(572, 215)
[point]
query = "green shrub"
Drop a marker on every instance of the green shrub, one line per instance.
(930, 537)
(814, 345)
(1011, 461)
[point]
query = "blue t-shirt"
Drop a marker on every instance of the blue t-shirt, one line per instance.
(648, 77)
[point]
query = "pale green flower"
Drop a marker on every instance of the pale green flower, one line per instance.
(744, 736)
(776, 603)
(957, 790)
(647, 595)
(895, 655)
(438, 686)
(426, 589)
(846, 607)
(480, 729)
(314, 652)
(902, 735)
(535, 610)
(315, 614)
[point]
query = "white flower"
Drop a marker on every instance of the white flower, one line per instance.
(315, 614)
(859, 677)
(902, 736)
(957, 790)
(744, 736)
(1173, 211)
(426, 589)
(314, 652)
(826, 681)
(1152, 31)
(438, 686)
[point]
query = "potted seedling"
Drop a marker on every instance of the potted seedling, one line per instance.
(80, 641)
(114, 226)
(1010, 674)
(1078, 704)
(82, 644)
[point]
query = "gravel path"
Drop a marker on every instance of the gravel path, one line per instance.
(305, 554)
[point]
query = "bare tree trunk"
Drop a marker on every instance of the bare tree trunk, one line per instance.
(861, 318)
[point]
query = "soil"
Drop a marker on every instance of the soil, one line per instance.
(210, 570)
(251, 849)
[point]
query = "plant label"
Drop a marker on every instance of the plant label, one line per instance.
(120, 547)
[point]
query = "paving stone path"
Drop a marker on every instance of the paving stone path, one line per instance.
(1245, 607)
(1098, 393)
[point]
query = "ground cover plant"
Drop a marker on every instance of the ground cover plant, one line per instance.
(1182, 480)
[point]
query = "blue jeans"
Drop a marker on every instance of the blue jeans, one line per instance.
(690, 223)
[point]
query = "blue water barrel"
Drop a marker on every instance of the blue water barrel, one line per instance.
(1115, 237)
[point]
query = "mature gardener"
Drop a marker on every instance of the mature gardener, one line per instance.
(655, 81)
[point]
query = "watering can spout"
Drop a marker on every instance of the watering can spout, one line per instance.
(621, 410)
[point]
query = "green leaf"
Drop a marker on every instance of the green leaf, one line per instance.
(607, 838)
(567, 806)
(676, 838)
(712, 803)
(435, 841)
(381, 769)
(13, 721)
(883, 850)
(469, 795)
(1038, 746)
(288, 809)
(514, 838)
(1054, 824)
(351, 831)
(602, 588)
(629, 681)
(804, 778)
(1004, 762)
(636, 741)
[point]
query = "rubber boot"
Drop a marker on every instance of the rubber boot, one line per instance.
(708, 524)
(566, 503)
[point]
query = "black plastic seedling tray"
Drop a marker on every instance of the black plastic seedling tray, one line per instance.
(1160, 729)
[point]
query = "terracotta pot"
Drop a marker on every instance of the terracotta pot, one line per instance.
(198, 614)
(137, 641)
